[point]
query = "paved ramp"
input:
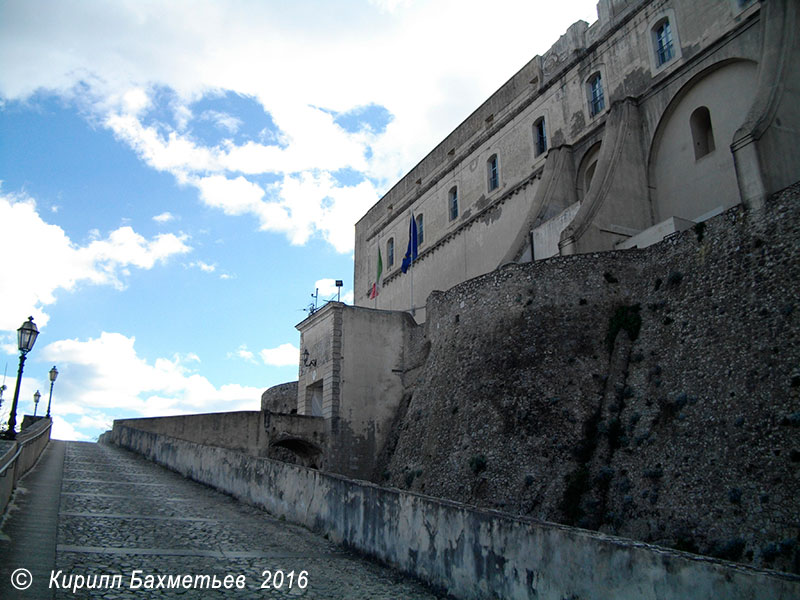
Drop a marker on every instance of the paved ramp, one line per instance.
(120, 515)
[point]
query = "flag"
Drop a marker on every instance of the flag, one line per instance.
(374, 293)
(411, 253)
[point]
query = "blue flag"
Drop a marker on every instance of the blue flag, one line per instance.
(411, 253)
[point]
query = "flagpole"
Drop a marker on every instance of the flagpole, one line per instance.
(411, 273)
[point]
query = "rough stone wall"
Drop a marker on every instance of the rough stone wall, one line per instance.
(470, 554)
(280, 398)
(653, 394)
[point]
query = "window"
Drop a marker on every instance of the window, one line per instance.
(662, 37)
(420, 234)
(494, 173)
(390, 252)
(596, 100)
(452, 202)
(539, 137)
(702, 132)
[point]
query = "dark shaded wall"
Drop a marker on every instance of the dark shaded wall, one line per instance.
(653, 394)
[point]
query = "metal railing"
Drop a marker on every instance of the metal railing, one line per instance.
(21, 446)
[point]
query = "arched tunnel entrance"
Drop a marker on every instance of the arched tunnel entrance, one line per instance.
(297, 451)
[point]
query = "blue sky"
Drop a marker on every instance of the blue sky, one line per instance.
(178, 177)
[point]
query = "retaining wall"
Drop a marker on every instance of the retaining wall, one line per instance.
(20, 455)
(469, 552)
(242, 430)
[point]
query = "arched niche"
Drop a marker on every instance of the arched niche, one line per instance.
(691, 170)
(586, 171)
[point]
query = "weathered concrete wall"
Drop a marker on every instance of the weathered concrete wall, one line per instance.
(360, 359)
(318, 379)
(374, 343)
(242, 430)
(535, 401)
(20, 455)
(280, 398)
(470, 553)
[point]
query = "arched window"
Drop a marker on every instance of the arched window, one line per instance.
(702, 132)
(597, 101)
(390, 252)
(420, 230)
(452, 203)
(493, 172)
(662, 41)
(539, 137)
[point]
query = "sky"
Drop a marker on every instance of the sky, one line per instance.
(178, 178)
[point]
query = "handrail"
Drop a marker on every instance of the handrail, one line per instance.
(26, 441)
(4, 468)
(20, 447)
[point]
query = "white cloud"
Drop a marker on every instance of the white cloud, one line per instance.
(157, 47)
(285, 355)
(390, 5)
(222, 120)
(205, 267)
(100, 377)
(243, 353)
(164, 217)
(55, 262)
(327, 291)
(63, 430)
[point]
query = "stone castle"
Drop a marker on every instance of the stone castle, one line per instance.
(599, 327)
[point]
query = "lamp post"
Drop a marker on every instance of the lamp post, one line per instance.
(26, 338)
(36, 397)
(53, 375)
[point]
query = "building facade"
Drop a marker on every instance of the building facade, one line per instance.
(659, 115)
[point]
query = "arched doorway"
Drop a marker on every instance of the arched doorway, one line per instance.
(297, 451)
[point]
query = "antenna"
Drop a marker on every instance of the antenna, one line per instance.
(312, 307)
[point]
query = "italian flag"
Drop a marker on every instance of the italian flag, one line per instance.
(374, 292)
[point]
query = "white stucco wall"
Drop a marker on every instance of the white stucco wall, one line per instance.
(686, 187)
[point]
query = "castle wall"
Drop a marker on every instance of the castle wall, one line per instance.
(472, 554)
(280, 398)
(535, 399)
(634, 186)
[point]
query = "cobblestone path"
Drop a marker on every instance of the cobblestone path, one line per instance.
(120, 513)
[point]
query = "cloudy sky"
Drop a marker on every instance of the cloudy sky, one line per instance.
(177, 178)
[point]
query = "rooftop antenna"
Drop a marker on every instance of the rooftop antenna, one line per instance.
(339, 284)
(312, 308)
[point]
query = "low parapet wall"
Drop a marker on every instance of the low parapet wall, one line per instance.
(242, 430)
(471, 553)
(20, 455)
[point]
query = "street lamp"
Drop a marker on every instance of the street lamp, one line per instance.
(36, 397)
(53, 375)
(26, 338)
